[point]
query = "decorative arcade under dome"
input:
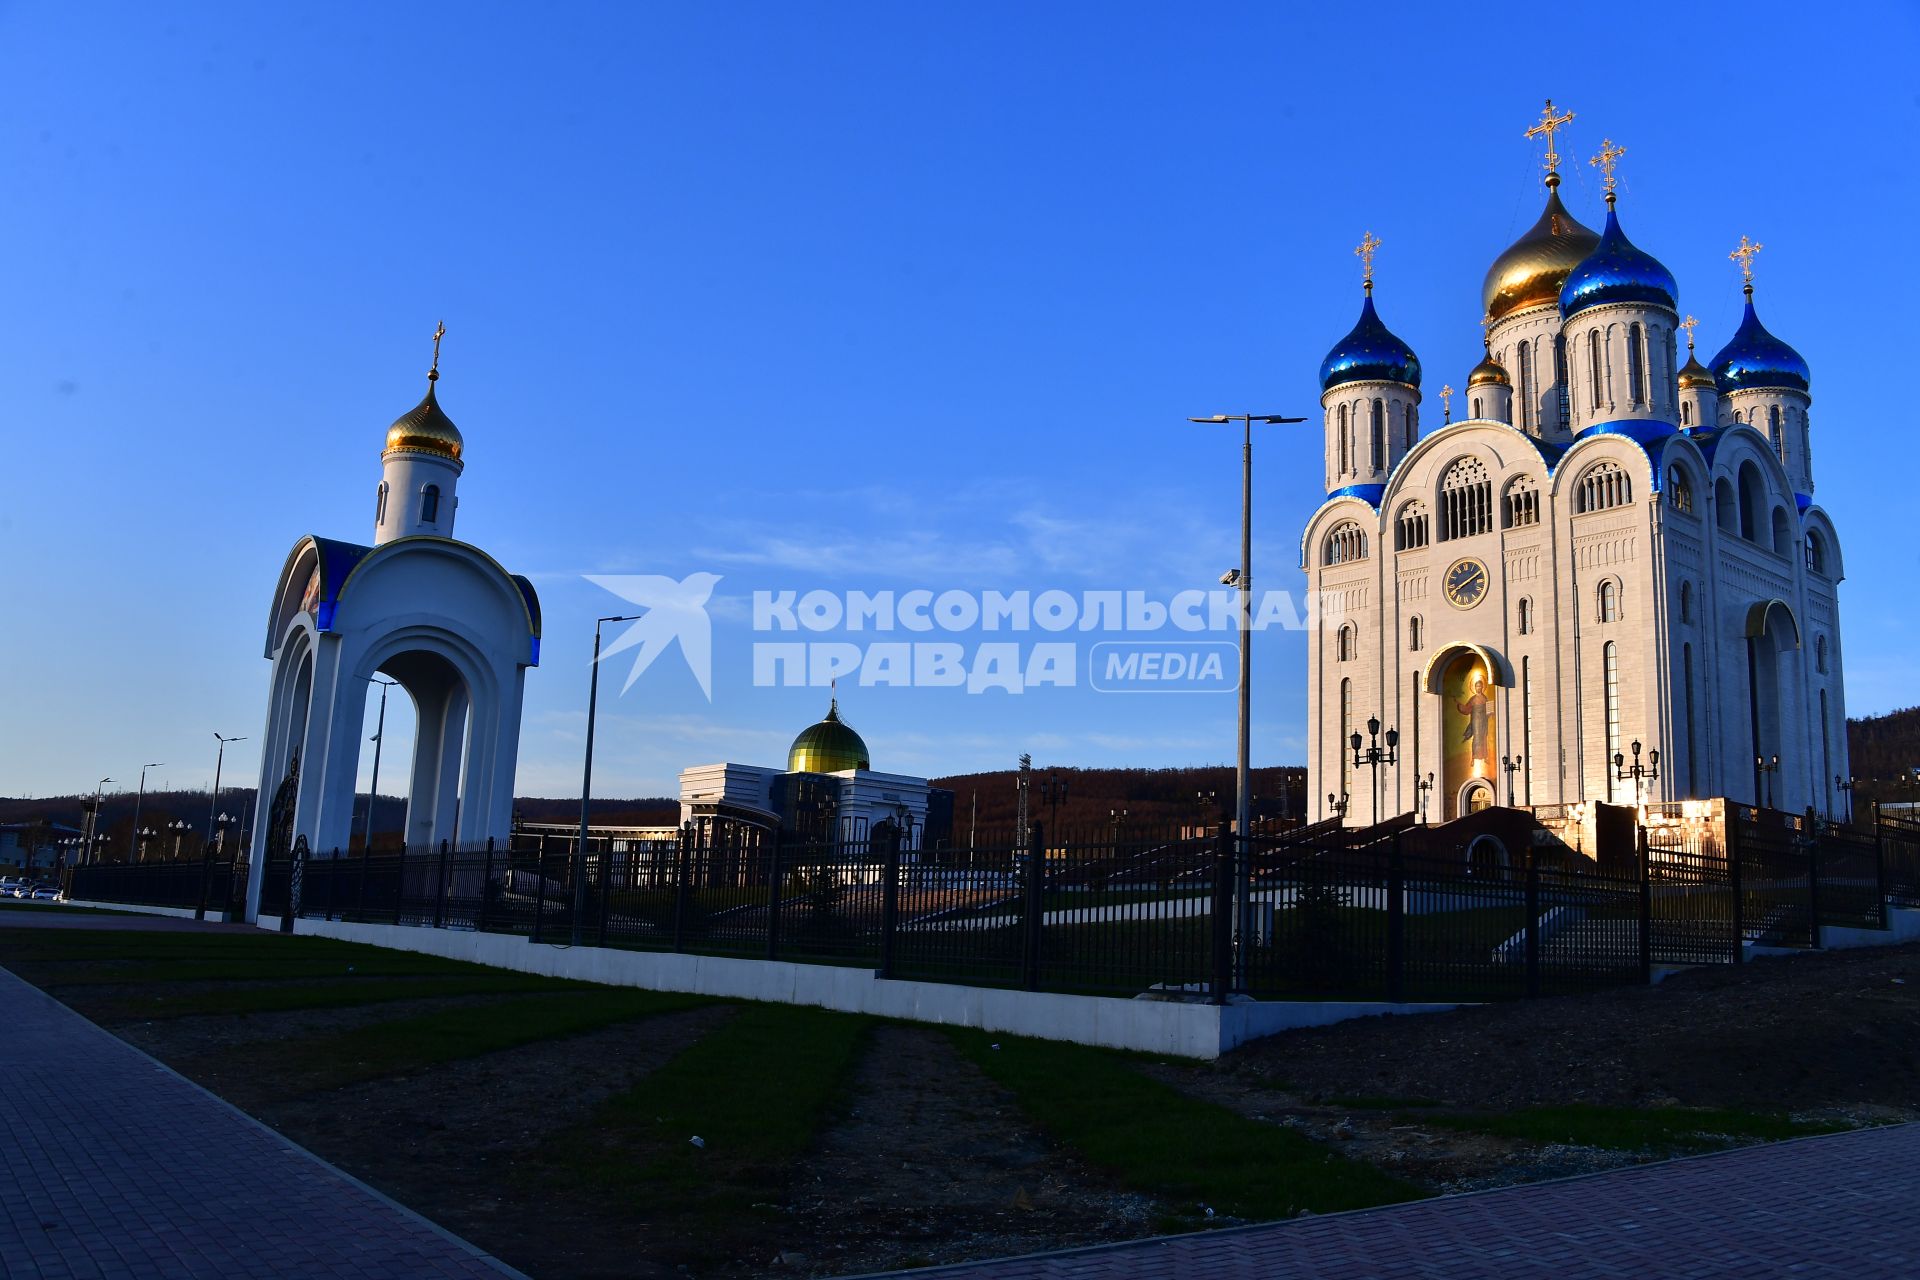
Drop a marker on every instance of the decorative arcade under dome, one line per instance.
(440, 618)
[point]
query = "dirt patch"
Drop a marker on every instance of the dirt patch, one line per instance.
(196, 1046)
(933, 1162)
(1833, 1034)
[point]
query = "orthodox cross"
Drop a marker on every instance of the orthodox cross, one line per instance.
(1744, 256)
(439, 332)
(1548, 123)
(1446, 402)
(1608, 157)
(1369, 244)
(1689, 324)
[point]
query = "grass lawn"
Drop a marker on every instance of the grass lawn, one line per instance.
(1168, 1144)
(1663, 1129)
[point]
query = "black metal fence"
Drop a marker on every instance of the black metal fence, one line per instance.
(205, 887)
(1395, 913)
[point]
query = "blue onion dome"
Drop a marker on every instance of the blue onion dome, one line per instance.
(1616, 271)
(1531, 270)
(1370, 353)
(1755, 358)
(1489, 372)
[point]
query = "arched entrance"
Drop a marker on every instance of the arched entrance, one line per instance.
(1465, 677)
(1772, 631)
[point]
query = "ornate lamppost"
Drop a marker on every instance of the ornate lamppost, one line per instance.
(1425, 788)
(1845, 787)
(1511, 766)
(1374, 755)
(1765, 767)
(1637, 771)
(1338, 804)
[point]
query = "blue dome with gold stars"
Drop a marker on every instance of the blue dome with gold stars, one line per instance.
(1755, 358)
(1371, 353)
(1617, 271)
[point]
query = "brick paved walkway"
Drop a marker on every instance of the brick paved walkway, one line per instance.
(1841, 1206)
(111, 1165)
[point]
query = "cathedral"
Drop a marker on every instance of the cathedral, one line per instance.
(1613, 559)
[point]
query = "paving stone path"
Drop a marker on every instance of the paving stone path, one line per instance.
(1847, 1206)
(112, 1165)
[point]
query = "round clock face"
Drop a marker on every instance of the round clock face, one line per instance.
(1466, 584)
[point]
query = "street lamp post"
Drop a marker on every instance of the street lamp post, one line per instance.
(1637, 771)
(219, 759)
(179, 827)
(1375, 755)
(1242, 578)
(1053, 792)
(1512, 766)
(379, 739)
(1845, 787)
(1762, 767)
(142, 835)
(142, 795)
(586, 777)
(93, 824)
(1425, 787)
(1338, 804)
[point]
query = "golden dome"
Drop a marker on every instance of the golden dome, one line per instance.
(1694, 375)
(1534, 267)
(830, 746)
(426, 428)
(1489, 373)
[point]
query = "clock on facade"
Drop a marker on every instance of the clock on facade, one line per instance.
(1466, 583)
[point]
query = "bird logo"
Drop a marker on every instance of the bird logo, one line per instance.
(674, 610)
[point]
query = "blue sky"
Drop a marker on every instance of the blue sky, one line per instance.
(835, 296)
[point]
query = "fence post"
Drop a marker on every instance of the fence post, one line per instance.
(1396, 920)
(1879, 865)
(333, 880)
(1812, 837)
(206, 881)
(1533, 924)
(775, 845)
(296, 873)
(1732, 841)
(606, 883)
(540, 890)
(1646, 904)
(486, 890)
(440, 889)
(360, 894)
(1033, 907)
(399, 883)
(682, 867)
(889, 902)
(1223, 863)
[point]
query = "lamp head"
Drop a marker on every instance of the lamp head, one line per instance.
(1373, 726)
(1355, 740)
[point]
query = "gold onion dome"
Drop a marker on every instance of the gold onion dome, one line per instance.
(1694, 375)
(426, 428)
(830, 746)
(1534, 268)
(1489, 373)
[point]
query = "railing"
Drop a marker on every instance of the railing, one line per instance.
(1388, 913)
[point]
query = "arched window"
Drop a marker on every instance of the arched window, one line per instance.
(1344, 464)
(1820, 654)
(1413, 634)
(1478, 412)
(1816, 552)
(1609, 601)
(1379, 434)
(1524, 616)
(1345, 645)
(1686, 413)
(1411, 426)
(1466, 496)
(1603, 486)
(1411, 529)
(1523, 503)
(1593, 367)
(1686, 602)
(1679, 489)
(1610, 664)
(430, 504)
(1525, 358)
(1774, 433)
(1560, 375)
(1636, 366)
(1726, 507)
(1782, 531)
(380, 506)
(1753, 493)
(1347, 543)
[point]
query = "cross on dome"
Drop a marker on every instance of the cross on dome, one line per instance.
(1689, 324)
(1549, 122)
(1744, 256)
(1609, 156)
(439, 332)
(1368, 246)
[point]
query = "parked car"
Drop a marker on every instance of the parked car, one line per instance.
(46, 893)
(18, 889)
(7, 885)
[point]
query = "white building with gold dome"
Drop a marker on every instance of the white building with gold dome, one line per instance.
(438, 616)
(1611, 547)
(829, 790)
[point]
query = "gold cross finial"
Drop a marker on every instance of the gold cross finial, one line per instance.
(439, 332)
(1689, 324)
(1369, 244)
(1744, 256)
(1608, 157)
(1446, 401)
(1548, 123)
